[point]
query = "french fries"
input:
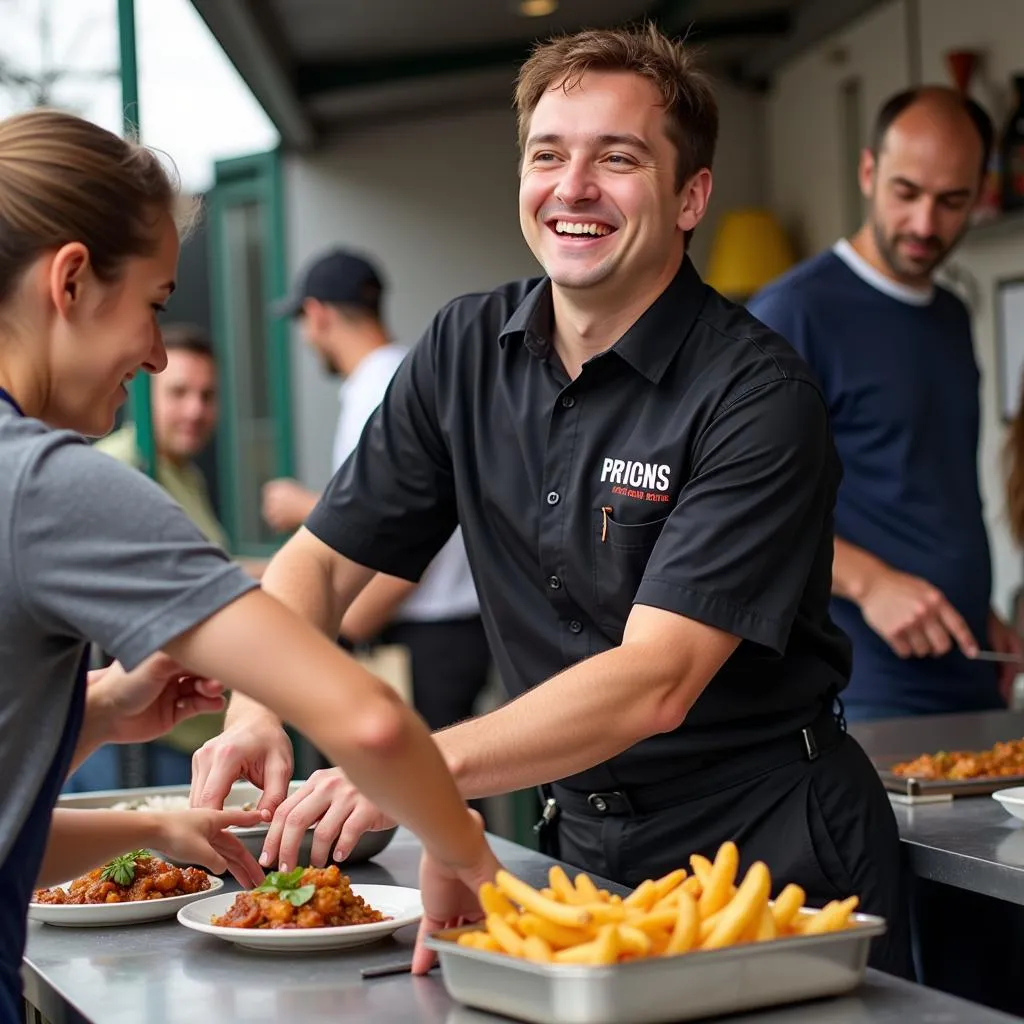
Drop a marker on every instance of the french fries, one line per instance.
(572, 921)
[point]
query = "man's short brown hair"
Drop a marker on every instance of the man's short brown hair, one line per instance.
(691, 112)
(181, 337)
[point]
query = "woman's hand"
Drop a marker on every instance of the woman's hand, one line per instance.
(198, 836)
(138, 706)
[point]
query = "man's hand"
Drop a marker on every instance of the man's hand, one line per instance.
(138, 706)
(286, 504)
(913, 617)
(339, 811)
(1004, 640)
(450, 897)
(258, 752)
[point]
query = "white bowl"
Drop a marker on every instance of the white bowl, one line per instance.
(102, 915)
(1012, 800)
(402, 905)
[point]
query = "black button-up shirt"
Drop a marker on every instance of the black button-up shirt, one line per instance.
(689, 467)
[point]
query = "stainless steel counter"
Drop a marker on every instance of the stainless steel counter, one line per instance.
(971, 842)
(164, 974)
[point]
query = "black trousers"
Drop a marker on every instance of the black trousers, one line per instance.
(825, 824)
(450, 665)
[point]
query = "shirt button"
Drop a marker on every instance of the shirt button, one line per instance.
(568, 402)
(554, 583)
(553, 497)
(575, 626)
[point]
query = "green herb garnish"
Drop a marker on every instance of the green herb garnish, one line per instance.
(286, 885)
(121, 870)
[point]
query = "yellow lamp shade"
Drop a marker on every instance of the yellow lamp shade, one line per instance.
(749, 250)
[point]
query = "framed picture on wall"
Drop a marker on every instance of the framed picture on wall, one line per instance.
(1010, 344)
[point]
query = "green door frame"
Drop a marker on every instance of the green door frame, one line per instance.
(255, 178)
(139, 408)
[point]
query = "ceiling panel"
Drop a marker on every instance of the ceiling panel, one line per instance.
(334, 29)
(318, 64)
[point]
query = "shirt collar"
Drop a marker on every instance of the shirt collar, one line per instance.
(648, 346)
(867, 273)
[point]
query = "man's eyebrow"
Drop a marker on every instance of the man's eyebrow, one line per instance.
(609, 139)
(625, 139)
(953, 193)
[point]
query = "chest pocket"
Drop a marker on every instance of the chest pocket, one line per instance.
(621, 553)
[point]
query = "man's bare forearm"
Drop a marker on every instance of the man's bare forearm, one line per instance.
(854, 570)
(583, 716)
(301, 576)
(372, 611)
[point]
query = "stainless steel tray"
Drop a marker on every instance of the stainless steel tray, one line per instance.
(369, 844)
(661, 989)
(935, 789)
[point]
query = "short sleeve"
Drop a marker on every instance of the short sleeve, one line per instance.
(738, 547)
(101, 552)
(391, 506)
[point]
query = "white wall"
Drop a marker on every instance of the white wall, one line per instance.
(808, 160)
(435, 202)
(809, 163)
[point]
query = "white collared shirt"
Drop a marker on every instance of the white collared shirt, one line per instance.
(446, 589)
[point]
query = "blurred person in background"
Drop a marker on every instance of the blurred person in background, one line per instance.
(337, 302)
(912, 572)
(184, 410)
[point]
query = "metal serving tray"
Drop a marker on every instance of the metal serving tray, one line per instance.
(369, 844)
(925, 790)
(890, 741)
(661, 989)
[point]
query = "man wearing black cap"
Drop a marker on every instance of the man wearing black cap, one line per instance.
(337, 303)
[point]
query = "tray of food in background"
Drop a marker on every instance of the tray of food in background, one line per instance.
(678, 948)
(305, 909)
(130, 889)
(944, 774)
(243, 794)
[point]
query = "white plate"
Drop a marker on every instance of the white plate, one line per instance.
(1012, 800)
(402, 905)
(101, 915)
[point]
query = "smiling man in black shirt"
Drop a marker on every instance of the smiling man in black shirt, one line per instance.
(645, 480)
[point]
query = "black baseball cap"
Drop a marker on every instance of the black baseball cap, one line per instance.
(338, 277)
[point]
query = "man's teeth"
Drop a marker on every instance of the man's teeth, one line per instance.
(568, 227)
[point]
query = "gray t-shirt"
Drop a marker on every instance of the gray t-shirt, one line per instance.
(90, 550)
